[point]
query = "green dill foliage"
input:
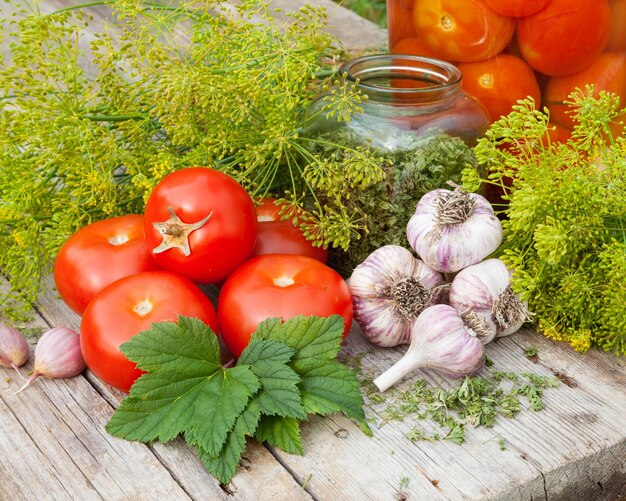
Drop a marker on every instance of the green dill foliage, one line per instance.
(476, 401)
(565, 225)
(90, 125)
(415, 166)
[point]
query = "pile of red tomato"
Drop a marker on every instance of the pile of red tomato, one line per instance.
(199, 227)
(510, 49)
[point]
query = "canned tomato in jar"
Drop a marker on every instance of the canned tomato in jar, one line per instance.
(511, 49)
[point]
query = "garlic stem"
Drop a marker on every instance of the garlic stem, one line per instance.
(33, 376)
(397, 371)
(440, 340)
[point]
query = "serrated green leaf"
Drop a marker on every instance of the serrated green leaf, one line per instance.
(279, 393)
(281, 432)
(188, 392)
(311, 337)
(167, 346)
(261, 351)
(217, 411)
(329, 388)
(288, 371)
(224, 465)
(156, 408)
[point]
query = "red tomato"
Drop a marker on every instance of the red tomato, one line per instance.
(279, 285)
(400, 21)
(566, 36)
(278, 236)
(500, 82)
(413, 46)
(617, 38)
(516, 8)
(129, 306)
(461, 30)
(99, 254)
(210, 213)
(608, 72)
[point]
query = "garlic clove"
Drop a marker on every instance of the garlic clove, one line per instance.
(57, 355)
(440, 340)
(389, 290)
(14, 349)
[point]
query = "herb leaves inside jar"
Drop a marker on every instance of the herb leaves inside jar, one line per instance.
(415, 166)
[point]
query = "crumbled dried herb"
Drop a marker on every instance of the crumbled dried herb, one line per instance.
(476, 401)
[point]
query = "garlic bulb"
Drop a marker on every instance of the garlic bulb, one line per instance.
(440, 340)
(452, 230)
(14, 350)
(389, 290)
(57, 355)
(485, 289)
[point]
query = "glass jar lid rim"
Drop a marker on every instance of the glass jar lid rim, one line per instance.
(447, 75)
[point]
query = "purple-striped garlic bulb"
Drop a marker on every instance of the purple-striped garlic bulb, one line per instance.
(440, 340)
(451, 230)
(57, 355)
(484, 289)
(389, 290)
(14, 350)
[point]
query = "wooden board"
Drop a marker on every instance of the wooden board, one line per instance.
(53, 445)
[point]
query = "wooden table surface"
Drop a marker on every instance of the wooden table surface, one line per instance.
(53, 445)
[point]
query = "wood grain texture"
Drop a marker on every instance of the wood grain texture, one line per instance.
(262, 475)
(575, 447)
(356, 34)
(53, 445)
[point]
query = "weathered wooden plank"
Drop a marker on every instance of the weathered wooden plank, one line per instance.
(573, 446)
(54, 445)
(262, 477)
(356, 34)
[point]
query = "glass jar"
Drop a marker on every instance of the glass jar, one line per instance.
(407, 97)
(421, 125)
(510, 49)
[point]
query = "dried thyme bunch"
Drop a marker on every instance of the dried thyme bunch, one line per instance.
(170, 85)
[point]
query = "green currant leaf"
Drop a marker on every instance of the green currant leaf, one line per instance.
(327, 386)
(287, 371)
(189, 391)
(279, 383)
(224, 465)
(330, 388)
(281, 432)
(311, 337)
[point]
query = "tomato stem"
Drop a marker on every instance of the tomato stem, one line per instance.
(176, 233)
